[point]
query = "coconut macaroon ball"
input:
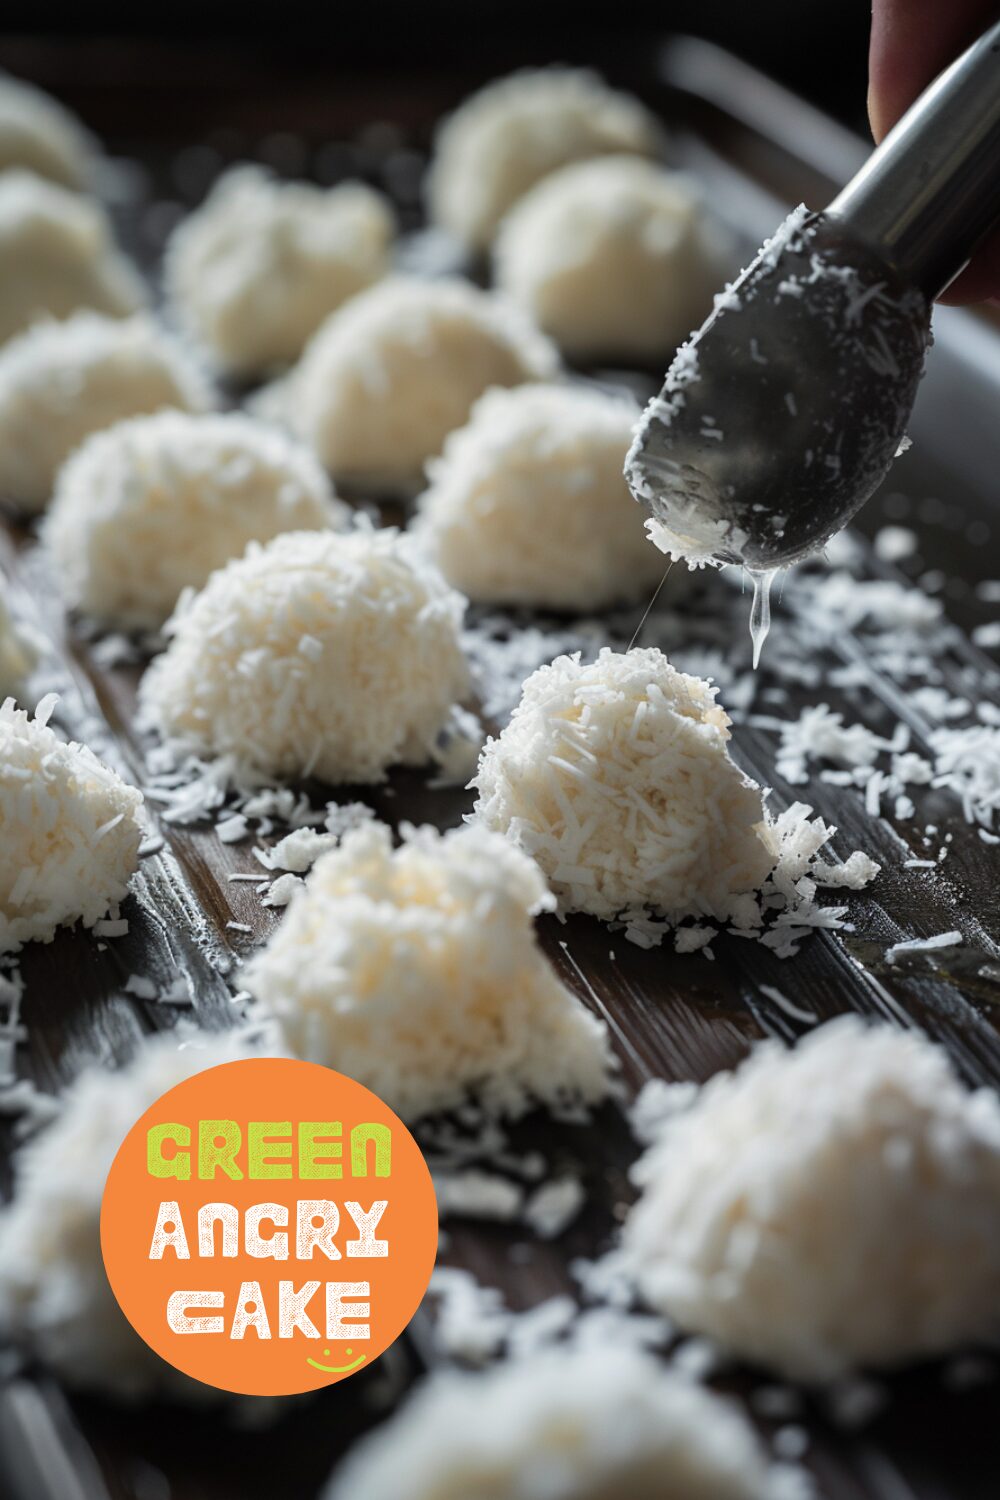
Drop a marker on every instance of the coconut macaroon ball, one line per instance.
(324, 654)
(418, 973)
(512, 133)
(57, 255)
(55, 1299)
(528, 504)
(17, 655)
(59, 382)
(395, 370)
(827, 1208)
(154, 505)
(565, 1424)
(69, 831)
(616, 778)
(255, 271)
(38, 134)
(613, 258)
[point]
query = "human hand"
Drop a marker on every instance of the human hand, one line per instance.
(911, 42)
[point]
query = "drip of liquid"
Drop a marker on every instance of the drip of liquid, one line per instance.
(760, 612)
(645, 616)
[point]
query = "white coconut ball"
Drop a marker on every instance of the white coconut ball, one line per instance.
(55, 1299)
(69, 831)
(566, 1424)
(57, 254)
(255, 271)
(17, 654)
(59, 382)
(829, 1207)
(613, 258)
(616, 778)
(325, 654)
(39, 135)
(512, 133)
(398, 367)
(417, 972)
(154, 505)
(528, 504)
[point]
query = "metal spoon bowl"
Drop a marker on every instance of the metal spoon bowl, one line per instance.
(783, 413)
(780, 417)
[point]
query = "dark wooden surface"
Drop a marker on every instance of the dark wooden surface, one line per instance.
(670, 1016)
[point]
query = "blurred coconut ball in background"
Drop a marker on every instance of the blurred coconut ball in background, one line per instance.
(615, 259)
(60, 382)
(261, 264)
(40, 135)
(509, 135)
(153, 506)
(396, 369)
(57, 254)
(827, 1208)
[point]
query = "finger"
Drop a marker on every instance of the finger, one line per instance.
(911, 42)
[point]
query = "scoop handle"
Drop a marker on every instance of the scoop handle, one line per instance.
(931, 191)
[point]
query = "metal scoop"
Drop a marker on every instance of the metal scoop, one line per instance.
(783, 413)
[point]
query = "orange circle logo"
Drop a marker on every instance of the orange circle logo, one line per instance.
(269, 1226)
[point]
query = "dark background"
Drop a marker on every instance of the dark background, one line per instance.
(185, 65)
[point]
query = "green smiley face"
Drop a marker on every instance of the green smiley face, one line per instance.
(337, 1369)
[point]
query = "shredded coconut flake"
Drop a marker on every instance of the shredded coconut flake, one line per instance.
(586, 776)
(255, 270)
(615, 258)
(527, 504)
(825, 1208)
(576, 1424)
(69, 827)
(154, 505)
(417, 972)
(57, 254)
(62, 381)
(233, 682)
(396, 369)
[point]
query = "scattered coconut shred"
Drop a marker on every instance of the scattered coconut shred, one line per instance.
(55, 1300)
(70, 830)
(615, 777)
(566, 1425)
(417, 972)
(826, 1208)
